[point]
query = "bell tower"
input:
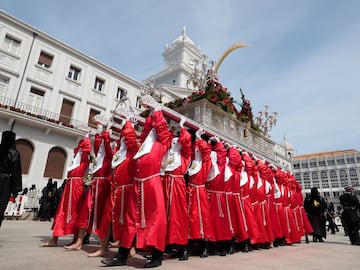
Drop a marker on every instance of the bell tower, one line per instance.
(179, 59)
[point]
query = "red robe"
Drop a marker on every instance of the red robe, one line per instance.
(264, 218)
(175, 194)
(72, 197)
(274, 218)
(298, 227)
(308, 229)
(198, 204)
(291, 235)
(218, 215)
(238, 217)
(296, 237)
(254, 196)
(278, 199)
(92, 212)
(245, 190)
(147, 195)
(122, 184)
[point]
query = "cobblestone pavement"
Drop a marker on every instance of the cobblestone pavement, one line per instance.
(20, 249)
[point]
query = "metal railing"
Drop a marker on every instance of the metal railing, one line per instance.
(23, 108)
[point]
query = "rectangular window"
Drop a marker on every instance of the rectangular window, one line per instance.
(331, 162)
(313, 164)
(74, 73)
(304, 165)
(334, 184)
(11, 44)
(120, 93)
(66, 111)
(3, 86)
(92, 113)
(350, 160)
(45, 59)
(340, 161)
(36, 98)
(116, 126)
(322, 163)
(99, 84)
(138, 105)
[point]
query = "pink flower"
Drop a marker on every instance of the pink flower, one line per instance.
(213, 98)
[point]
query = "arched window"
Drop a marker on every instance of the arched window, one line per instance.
(324, 179)
(55, 163)
(307, 183)
(334, 179)
(315, 179)
(343, 178)
(354, 177)
(26, 150)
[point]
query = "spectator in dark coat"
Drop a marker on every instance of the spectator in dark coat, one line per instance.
(315, 207)
(10, 171)
(47, 201)
(351, 206)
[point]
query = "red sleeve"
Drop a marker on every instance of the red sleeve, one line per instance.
(128, 132)
(107, 140)
(97, 143)
(221, 154)
(85, 146)
(234, 158)
(185, 141)
(204, 149)
(249, 163)
(262, 169)
(270, 174)
(163, 133)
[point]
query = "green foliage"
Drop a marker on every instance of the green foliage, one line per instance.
(216, 94)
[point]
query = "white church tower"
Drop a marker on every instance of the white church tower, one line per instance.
(179, 61)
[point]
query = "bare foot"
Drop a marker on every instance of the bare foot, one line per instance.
(132, 251)
(75, 247)
(70, 244)
(98, 253)
(51, 243)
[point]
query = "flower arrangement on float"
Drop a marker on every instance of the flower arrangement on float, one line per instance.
(218, 95)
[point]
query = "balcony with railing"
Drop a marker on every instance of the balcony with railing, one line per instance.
(39, 113)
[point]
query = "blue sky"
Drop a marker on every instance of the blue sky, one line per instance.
(302, 58)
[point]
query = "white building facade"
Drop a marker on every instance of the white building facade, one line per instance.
(48, 90)
(330, 172)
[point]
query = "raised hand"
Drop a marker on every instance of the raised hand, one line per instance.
(199, 132)
(182, 122)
